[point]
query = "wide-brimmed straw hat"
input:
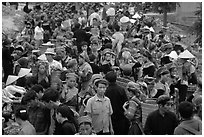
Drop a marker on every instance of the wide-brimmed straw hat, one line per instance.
(186, 55)
(23, 72)
(48, 44)
(11, 79)
(50, 51)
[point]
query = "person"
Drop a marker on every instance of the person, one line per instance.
(118, 40)
(42, 77)
(133, 111)
(118, 97)
(161, 87)
(21, 118)
(38, 34)
(85, 73)
(26, 9)
(70, 91)
(80, 36)
(65, 116)
(189, 125)
(161, 121)
(85, 126)
(100, 110)
(53, 64)
(7, 59)
(37, 111)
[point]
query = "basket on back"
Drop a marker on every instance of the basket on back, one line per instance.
(148, 107)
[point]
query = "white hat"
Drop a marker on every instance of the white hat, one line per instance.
(11, 79)
(42, 57)
(50, 51)
(151, 29)
(110, 12)
(23, 72)
(35, 51)
(124, 19)
(132, 21)
(173, 55)
(136, 16)
(126, 54)
(48, 44)
(186, 54)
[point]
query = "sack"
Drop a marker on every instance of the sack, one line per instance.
(191, 130)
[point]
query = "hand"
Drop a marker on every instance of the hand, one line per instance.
(125, 105)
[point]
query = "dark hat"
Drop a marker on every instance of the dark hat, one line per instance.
(163, 99)
(111, 76)
(65, 111)
(162, 71)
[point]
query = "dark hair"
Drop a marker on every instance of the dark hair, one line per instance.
(111, 76)
(77, 25)
(21, 113)
(84, 43)
(66, 112)
(37, 88)
(117, 27)
(95, 19)
(29, 96)
(185, 109)
(50, 94)
(30, 81)
(92, 57)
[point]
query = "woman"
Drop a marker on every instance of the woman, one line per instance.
(38, 34)
(21, 118)
(133, 109)
(42, 76)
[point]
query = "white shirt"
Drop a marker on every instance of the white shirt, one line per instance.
(38, 33)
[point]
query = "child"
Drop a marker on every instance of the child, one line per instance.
(100, 110)
(85, 126)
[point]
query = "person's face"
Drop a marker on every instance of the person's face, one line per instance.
(173, 72)
(42, 69)
(94, 46)
(85, 129)
(165, 77)
(71, 82)
(49, 57)
(84, 47)
(81, 60)
(101, 89)
(167, 107)
(108, 57)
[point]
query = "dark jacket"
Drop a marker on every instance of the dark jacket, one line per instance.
(156, 124)
(118, 97)
(39, 117)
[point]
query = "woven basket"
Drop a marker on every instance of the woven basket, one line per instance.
(147, 108)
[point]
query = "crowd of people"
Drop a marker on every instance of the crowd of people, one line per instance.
(87, 70)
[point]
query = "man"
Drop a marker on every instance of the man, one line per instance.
(7, 59)
(161, 121)
(100, 110)
(117, 97)
(80, 36)
(189, 125)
